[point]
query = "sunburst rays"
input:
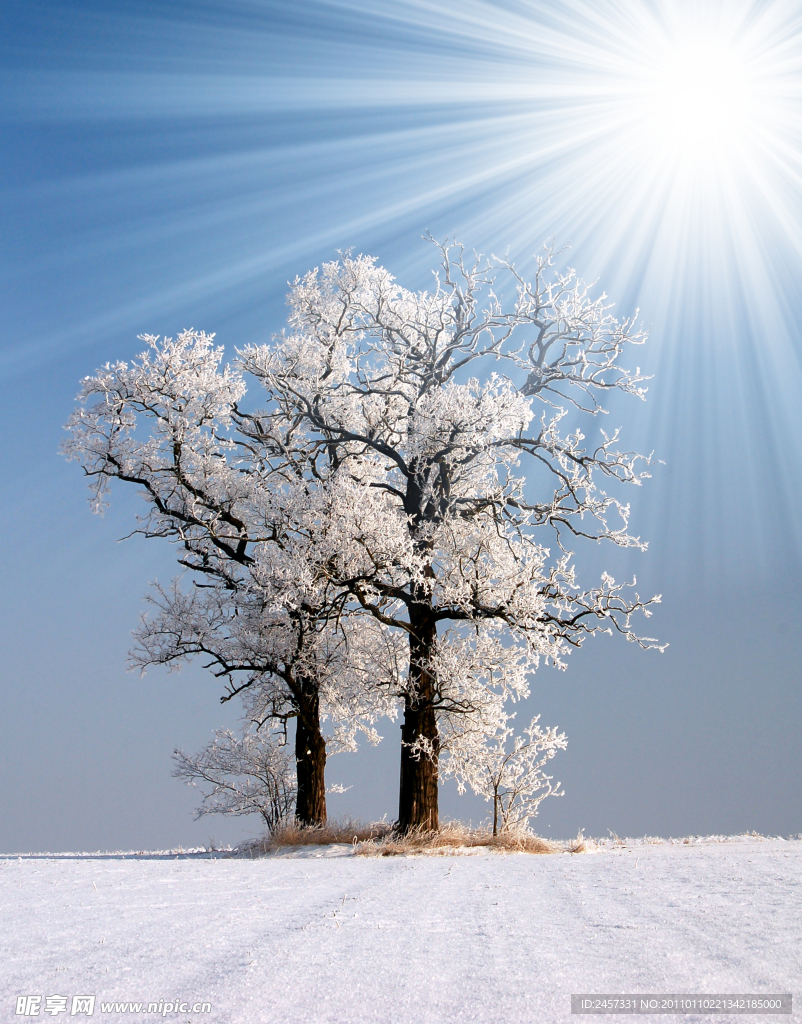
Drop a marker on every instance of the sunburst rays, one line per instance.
(211, 155)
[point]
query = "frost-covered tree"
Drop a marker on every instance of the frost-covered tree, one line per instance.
(458, 484)
(249, 520)
(248, 774)
(505, 769)
(399, 468)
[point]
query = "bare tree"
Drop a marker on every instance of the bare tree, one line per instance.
(251, 774)
(245, 515)
(445, 526)
(381, 484)
(504, 768)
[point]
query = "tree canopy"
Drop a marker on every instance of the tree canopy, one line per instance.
(390, 526)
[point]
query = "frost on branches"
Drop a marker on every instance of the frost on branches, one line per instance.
(504, 768)
(390, 526)
(466, 476)
(255, 602)
(248, 775)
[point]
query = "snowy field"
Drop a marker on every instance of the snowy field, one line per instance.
(322, 935)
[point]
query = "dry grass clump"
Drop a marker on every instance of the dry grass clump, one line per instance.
(452, 836)
(291, 833)
(380, 839)
(578, 845)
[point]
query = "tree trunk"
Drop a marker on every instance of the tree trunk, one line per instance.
(418, 794)
(310, 764)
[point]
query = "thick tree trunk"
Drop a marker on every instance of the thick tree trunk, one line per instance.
(418, 793)
(310, 764)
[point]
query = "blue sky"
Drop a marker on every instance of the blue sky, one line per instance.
(170, 164)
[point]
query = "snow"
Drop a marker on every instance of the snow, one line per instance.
(321, 935)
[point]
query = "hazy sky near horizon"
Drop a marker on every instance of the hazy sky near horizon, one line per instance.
(173, 164)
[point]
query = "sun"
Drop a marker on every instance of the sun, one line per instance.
(698, 100)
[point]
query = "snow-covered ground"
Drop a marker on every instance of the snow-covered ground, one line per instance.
(322, 935)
